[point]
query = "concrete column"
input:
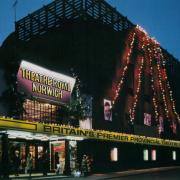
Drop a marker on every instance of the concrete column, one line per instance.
(67, 170)
(5, 157)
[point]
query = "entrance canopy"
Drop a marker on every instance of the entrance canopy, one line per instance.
(15, 134)
(54, 130)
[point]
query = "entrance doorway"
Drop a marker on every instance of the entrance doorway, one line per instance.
(22, 148)
(57, 155)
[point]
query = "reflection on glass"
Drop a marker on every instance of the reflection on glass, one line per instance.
(73, 155)
(58, 156)
(38, 111)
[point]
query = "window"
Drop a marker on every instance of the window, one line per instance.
(39, 111)
(153, 155)
(145, 155)
(174, 155)
(86, 123)
(114, 154)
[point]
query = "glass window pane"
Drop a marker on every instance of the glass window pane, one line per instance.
(145, 155)
(174, 155)
(153, 155)
(114, 154)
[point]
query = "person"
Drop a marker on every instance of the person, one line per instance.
(45, 163)
(29, 163)
(39, 162)
(57, 162)
(16, 162)
(84, 165)
(89, 163)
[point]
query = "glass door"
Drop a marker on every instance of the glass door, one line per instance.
(32, 150)
(58, 156)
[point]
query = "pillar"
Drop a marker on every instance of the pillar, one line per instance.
(67, 169)
(5, 165)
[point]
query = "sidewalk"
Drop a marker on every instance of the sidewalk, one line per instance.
(127, 173)
(37, 176)
(96, 176)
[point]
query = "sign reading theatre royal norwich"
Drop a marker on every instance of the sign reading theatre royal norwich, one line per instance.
(44, 84)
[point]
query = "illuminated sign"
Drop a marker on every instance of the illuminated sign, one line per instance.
(44, 84)
(77, 132)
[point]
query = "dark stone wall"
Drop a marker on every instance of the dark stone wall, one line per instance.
(93, 50)
(130, 156)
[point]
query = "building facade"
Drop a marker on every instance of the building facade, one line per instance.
(82, 65)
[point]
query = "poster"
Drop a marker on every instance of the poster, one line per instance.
(107, 110)
(161, 125)
(147, 119)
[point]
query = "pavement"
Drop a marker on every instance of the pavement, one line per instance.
(38, 176)
(99, 176)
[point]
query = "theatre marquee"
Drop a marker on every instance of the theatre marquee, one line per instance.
(44, 84)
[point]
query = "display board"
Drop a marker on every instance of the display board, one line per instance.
(44, 84)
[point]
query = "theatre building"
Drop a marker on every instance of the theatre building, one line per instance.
(79, 78)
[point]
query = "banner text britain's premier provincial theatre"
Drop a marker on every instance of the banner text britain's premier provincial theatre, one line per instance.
(62, 130)
(44, 84)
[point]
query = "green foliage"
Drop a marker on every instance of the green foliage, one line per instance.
(75, 109)
(11, 98)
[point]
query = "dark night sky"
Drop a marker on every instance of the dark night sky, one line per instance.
(160, 18)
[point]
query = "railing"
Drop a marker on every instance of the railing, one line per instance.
(51, 16)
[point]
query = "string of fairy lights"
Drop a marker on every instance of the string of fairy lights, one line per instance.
(152, 53)
(161, 82)
(124, 70)
(132, 111)
(139, 76)
(160, 85)
(168, 86)
(162, 75)
(155, 102)
(165, 90)
(78, 95)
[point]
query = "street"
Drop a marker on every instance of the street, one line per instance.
(165, 175)
(162, 173)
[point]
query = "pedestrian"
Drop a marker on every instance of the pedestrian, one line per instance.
(89, 164)
(39, 162)
(62, 163)
(16, 163)
(57, 163)
(84, 165)
(45, 163)
(29, 163)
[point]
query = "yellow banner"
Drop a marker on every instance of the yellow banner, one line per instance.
(94, 134)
